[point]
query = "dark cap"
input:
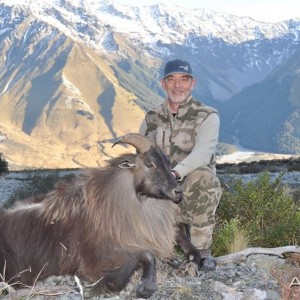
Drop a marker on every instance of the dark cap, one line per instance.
(177, 66)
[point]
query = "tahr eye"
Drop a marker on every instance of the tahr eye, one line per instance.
(151, 164)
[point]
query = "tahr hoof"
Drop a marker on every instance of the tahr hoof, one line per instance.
(208, 264)
(145, 290)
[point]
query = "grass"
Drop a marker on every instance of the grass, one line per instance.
(261, 212)
(240, 240)
(7, 288)
(28, 292)
(285, 277)
(230, 237)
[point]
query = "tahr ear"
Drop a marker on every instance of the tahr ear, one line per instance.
(126, 165)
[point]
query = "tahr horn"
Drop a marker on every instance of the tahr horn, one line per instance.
(138, 141)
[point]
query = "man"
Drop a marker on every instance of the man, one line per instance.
(187, 131)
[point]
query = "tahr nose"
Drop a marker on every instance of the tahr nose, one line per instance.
(178, 194)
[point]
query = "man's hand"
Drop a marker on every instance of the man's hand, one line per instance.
(175, 174)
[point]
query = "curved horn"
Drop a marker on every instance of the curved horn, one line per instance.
(138, 141)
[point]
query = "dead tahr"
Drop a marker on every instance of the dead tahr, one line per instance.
(102, 226)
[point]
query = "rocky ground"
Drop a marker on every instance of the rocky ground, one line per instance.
(258, 277)
(255, 277)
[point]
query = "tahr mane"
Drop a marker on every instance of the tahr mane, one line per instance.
(113, 210)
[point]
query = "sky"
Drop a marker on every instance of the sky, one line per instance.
(261, 10)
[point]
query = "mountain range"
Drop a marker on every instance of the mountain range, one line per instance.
(75, 74)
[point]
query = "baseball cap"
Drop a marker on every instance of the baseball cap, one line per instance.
(177, 66)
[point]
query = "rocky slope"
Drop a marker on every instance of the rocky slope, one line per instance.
(258, 277)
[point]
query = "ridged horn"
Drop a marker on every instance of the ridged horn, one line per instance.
(138, 141)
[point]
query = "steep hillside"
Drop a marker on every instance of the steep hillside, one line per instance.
(75, 74)
(62, 104)
(266, 116)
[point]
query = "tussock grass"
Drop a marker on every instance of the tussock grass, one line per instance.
(19, 290)
(231, 237)
(240, 240)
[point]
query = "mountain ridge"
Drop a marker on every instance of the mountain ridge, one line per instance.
(75, 78)
(275, 102)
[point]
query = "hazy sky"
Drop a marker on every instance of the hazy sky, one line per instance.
(262, 10)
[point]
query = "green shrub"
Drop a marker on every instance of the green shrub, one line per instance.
(35, 183)
(3, 165)
(230, 237)
(265, 209)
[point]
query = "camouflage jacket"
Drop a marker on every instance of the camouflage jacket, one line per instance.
(177, 135)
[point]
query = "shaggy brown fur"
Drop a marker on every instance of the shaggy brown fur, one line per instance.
(120, 216)
(104, 224)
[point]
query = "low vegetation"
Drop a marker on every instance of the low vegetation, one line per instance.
(36, 182)
(3, 165)
(258, 213)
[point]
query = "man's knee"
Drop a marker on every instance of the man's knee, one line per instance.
(202, 192)
(203, 177)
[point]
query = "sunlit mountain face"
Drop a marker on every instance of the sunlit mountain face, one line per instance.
(74, 75)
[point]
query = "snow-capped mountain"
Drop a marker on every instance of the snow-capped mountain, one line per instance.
(76, 73)
(147, 24)
(242, 50)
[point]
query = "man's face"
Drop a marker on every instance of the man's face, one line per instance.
(178, 87)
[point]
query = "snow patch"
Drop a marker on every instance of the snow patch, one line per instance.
(247, 156)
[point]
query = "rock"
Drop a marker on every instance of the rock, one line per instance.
(252, 279)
